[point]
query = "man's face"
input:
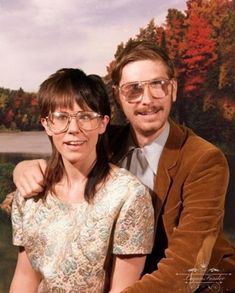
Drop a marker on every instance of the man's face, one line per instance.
(149, 114)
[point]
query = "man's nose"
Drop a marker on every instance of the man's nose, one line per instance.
(147, 96)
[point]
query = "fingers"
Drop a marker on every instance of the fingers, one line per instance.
(28, 177)
(6, 204)
(29, 189)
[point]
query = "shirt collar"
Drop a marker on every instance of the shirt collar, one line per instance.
(151, 151)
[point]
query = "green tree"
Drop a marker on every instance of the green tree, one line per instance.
(6, 181)
(148, 33)
(227, 52)
(175, 29)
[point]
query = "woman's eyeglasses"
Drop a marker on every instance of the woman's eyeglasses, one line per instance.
(58, 122)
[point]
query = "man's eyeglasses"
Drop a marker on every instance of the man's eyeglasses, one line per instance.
(58, 122)
(133, 91)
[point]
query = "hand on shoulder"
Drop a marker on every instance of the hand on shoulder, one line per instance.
(28, 177)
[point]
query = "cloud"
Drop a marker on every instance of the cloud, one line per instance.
(38, 37)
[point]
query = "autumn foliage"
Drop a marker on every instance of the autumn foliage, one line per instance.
(201, 42)
(18, 110)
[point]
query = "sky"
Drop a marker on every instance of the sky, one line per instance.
(38, 37)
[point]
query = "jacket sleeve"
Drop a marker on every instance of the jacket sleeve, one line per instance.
(191, 241)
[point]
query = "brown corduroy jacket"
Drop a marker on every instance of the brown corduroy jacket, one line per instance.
(190, 188)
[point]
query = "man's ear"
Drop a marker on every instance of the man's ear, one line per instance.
(45, 125)
(115, 91)
(174, 89)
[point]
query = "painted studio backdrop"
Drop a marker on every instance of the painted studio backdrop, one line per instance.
(37, 39)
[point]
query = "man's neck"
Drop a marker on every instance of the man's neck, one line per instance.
(143, 139)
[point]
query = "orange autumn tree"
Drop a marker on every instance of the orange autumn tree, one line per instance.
(18, 110)
(220, 14)
(198, 53)
(174, 31)
(197, 58)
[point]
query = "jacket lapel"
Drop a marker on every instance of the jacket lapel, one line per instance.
(168, 162)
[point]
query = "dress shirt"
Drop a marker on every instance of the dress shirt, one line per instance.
(143, 162)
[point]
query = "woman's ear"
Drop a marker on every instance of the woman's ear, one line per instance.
(45, 125)
(103, 124)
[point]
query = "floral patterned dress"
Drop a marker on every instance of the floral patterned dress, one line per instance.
(70, 244)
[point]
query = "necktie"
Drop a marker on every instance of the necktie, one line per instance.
(140, 168)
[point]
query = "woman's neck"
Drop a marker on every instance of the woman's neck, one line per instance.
(78, 172)
(72, 186)
(68, 192)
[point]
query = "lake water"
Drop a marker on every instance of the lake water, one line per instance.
(15, 147)
(33, 142)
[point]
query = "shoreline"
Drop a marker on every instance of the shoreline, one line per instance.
(25, 142)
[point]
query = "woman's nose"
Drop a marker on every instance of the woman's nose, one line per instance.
(73, 125)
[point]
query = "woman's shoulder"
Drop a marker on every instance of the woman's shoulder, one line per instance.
(25, 203)
(121, 176)
(116, 171)
(121, 189)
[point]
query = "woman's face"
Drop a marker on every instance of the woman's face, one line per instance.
(76, 145)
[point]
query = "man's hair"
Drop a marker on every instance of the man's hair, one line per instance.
(140, 50)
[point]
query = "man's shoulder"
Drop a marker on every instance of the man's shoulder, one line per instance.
(186, 149)
(188, 139)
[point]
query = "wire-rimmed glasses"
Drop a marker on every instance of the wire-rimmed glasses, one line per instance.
(133, 91)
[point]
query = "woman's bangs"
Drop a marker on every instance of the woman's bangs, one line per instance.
(62, 101)
(66, 101)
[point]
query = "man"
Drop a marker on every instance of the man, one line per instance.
(187, 175)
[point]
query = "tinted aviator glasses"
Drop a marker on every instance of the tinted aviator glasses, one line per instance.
(58, 122)
(133, 91)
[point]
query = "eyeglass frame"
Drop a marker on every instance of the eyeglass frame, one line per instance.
(70, 117)
(142, 84)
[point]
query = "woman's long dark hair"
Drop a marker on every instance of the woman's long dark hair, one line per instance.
(62, 89)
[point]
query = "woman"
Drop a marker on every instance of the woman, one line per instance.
(92, 227)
